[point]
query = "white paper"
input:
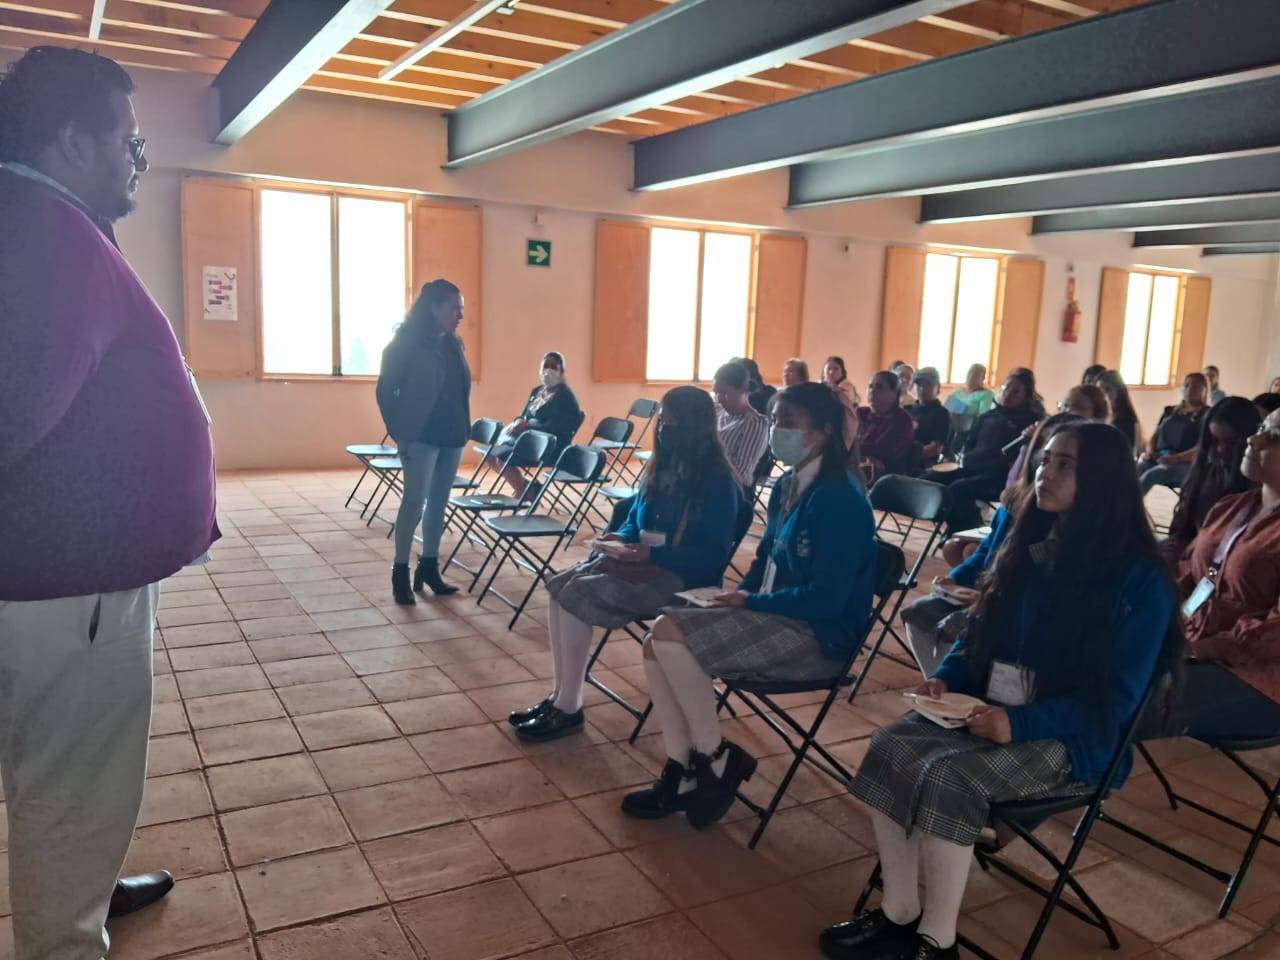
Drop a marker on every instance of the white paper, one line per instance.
(218, 293)
(700, 596)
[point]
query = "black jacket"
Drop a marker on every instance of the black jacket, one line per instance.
(560, 416)
(998, 427)
(409, 382)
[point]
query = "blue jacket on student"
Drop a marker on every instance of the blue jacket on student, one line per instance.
(966, 574)
(702, 554)
(1144, 606)
(824, 553)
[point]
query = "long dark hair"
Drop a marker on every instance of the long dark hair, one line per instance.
(839, 362)
(419, 317)
(1040, 438)
(1213, 477)
(825, 413)
(1122, 405)
(698, 456)
(1027, 377)
(1104, 535)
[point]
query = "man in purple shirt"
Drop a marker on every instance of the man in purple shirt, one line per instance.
(106, 488)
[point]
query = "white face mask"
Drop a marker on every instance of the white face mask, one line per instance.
(787, 444)
(552, 378)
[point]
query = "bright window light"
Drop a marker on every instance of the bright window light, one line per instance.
(297, 292)
(371, 279)
(726, 282)
(937, 311)
(673, 303)
(957, 313)
(1164, 317)
(1137, 308)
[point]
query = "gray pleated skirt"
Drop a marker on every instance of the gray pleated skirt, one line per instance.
(611, 602)
(740, 644)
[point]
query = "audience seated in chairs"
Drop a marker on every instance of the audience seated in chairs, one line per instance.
(795, 616)
(931, 628)
(760, 393)
(1266, 402)
(1068, 630)
(1173, 445)
(932, 421)
(794, 371)
(973, 399)
(551, 408)
(1229, 580)
(1091, 373)
(885, 433)
(984, 460)
(744, 434)
(837, 379)
(1215, 473)
(1123, 417)
(1085, 402)
(677, 537)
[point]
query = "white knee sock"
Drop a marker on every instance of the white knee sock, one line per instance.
(554, 613)
(675, 729)
(574, 645)
(899, 867)
(946, 871)
(695, 696)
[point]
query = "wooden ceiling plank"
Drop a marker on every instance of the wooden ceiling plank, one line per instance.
(132, 54)
(58, 24)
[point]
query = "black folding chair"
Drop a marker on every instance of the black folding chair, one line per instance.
(610, 438)
(920, 501)
(1257, 832)
(364, 452)
(578, 469)
(642, 412)
(1024, 816)
(961, 426)
(758, 696)
(527, 453)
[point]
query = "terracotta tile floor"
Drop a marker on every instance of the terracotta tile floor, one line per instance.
(331, 779)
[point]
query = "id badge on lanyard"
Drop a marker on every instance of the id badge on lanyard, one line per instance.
(1208, 584)
(1009, 684)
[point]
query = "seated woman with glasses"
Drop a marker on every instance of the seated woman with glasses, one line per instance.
(886, 432)
(1073, 622)
(551, 408)
(798, 614)
(677, 536)
(1229, 581)
(1172, 447)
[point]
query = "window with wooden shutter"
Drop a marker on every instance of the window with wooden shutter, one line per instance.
(903, 301)
(779, 314)
(1151, 325)
(447, 241)
(1021, 290)
(621, 320)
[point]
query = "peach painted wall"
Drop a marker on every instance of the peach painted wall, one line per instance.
(569, 184)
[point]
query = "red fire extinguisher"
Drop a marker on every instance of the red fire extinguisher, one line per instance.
(1071, 316)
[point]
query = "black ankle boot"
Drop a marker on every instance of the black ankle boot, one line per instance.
(713, 796)
(428, 573)
(400, 585)
(663, 798)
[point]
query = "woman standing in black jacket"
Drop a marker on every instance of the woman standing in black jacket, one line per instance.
(551, 408)
(424, 395)
(985, 464)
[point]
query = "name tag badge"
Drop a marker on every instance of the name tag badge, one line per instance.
(195, 389)
(803, 549)
(1009, 685)
(1199, 597)
(770, 574)
(653, 538)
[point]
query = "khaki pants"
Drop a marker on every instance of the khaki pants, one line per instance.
(75, 713)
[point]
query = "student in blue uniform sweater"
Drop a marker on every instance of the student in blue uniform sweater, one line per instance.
(798, 613)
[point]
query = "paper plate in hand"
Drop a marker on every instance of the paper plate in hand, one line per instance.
(953, 706)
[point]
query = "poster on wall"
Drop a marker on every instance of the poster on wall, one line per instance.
(219, 289)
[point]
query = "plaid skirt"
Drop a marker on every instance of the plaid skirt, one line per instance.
(611, 602)
(740, 644)
(919, 774)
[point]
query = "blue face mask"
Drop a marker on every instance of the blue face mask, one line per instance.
(787, 445)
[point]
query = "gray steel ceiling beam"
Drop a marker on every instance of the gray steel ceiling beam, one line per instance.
(1245, 233)
(1161, 48)
(287, 45)
(1154, 186)
(687, 48)
(1228, 121)
(1207, 214)
(1250, 249)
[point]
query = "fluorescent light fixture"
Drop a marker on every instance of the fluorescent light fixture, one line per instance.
(468, 18)
(1159, 269)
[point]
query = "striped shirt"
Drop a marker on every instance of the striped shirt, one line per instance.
(745, 437)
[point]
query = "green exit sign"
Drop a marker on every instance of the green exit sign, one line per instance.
(538, 253)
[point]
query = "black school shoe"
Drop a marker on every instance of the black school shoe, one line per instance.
(551, 724)
(713, 796)
(867, 935)
(922, 948)
(517, 717)
(663, 798)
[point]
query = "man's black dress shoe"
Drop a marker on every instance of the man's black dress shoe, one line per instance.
(133, 893)
(549, 725)
(867, 935)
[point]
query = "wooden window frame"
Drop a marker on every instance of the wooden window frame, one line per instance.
(1175, 348)
(1001, 263)
(334, 195)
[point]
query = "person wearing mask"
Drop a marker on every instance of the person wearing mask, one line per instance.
(1229, 580)
(1172, 447)
(973, 399)
(1123, 416)
(906, 374)
(744, 434)
(987, 457)
(931, 419)
(1211, 374)
(107, 487)
(1072, 623)
(885, 432)
(797, 615)
(930, 632)
(551, 408)
(761, 392)
(1216, 472)
(424, 395)
(794, 371)
(677, 537)
(1091, 373)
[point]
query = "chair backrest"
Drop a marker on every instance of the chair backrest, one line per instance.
(643, 409)
(613, 429)
(961, 424)
(578, 464)
(485, 431)
(891, 562)
(530, 449)
(909, 497)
